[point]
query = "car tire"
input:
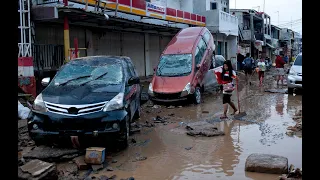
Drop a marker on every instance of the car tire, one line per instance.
(197, 95)
(290, 90)
(124, 141)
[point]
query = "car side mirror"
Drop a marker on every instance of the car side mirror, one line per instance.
(45, 81)
(133, 80)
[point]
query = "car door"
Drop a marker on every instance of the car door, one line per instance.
(209, 42)
(201, 53)
(136, 87)
(130, 93)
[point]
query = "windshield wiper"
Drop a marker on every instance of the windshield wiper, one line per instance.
(80, 77)
(94, 79)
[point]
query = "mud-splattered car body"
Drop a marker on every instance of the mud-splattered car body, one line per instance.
(91, 96)
(182, 66)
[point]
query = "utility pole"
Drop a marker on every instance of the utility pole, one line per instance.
(264, 3)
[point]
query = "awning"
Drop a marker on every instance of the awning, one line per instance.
(270, 46)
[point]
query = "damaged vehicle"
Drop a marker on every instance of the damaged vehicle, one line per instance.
(183, 66)
(91, 97)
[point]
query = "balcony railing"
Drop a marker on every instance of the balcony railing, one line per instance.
(221, 22)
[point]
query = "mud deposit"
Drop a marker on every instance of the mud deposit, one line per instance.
(165, 151)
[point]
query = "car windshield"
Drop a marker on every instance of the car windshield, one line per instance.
(78, 74)
(298, 61)
(175, 65)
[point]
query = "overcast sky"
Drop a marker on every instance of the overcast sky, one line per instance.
(287, 9)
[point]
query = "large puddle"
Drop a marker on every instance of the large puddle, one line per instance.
(222, 157)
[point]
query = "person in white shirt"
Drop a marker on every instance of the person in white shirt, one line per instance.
(262, 68)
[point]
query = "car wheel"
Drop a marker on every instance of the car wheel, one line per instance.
(197, 96)
(290, 90)
(126, 130)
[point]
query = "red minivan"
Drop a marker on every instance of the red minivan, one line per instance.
(182, 66)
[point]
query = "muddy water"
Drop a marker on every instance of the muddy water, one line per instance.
(261, 131)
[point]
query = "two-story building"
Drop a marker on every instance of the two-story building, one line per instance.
(254, 32)
(286, 41)
(275, 36)
(221, 23)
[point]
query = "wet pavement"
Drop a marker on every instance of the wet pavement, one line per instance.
(167, 152)
(171, 154)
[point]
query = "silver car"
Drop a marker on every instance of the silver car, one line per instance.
(294, 80)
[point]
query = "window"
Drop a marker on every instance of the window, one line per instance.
(298, 61)
(202, 46)
(132, 69)
(206, 37)
(213, 6)
(175, 65)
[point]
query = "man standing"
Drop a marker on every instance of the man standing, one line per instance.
(248, 65)
(280, 68)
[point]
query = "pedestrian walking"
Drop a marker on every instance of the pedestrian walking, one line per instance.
(261, 69)
(227, 76)
(248, 65)
(280, 68)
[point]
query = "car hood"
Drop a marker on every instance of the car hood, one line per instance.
(297, 69)
(77, 95)
(170, 84)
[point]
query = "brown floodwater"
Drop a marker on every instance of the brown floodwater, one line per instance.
(222, 157)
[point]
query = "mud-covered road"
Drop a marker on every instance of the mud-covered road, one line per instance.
(166, 152)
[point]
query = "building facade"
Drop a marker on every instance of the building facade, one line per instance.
(222, 24)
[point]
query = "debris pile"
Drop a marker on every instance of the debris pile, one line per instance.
(293, 174)
(203, 128)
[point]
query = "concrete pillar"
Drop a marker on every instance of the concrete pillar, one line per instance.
(252, 34)
(149, 69)
(224, 47)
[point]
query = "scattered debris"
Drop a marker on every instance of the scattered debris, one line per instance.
(114, 161)
(49, 154)
(67, 171)
(170, 107)
(156, 106)
(23, 112)
(81, 164)
(95, 155)
(172, 114)
(281, 91)
(109, 168)
(206, 112)
(133, 141)
(130, 178)
(293, 174)
(188, 148)
(202, 128)
(139, 158)
(266, 163)
(37, 169)
(158, 119)
(97, 167)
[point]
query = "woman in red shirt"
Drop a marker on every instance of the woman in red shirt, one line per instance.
(280, 68)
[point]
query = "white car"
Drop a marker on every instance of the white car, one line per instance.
(294, 80)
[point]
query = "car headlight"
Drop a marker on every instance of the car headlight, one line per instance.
(150, 88)
(39, 105)
(292, 72)
(187, 88)
(115, 103)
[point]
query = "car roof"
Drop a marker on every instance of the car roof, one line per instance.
(183, 42)
(100, 60)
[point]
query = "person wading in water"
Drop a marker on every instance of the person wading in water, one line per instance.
(227, 76)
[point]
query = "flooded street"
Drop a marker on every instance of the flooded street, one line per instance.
(171, 154)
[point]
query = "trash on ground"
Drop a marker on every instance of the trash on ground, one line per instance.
(23, 112)
(37, 169)
(95, 155)
(266, 163)
(203, 128)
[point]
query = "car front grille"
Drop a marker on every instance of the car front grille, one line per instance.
(74, 110)
(298, 82)
(72, 124)
(167, 95)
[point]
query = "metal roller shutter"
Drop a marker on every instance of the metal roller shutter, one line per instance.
(106, 43)
(154, 49)
(133, 47)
